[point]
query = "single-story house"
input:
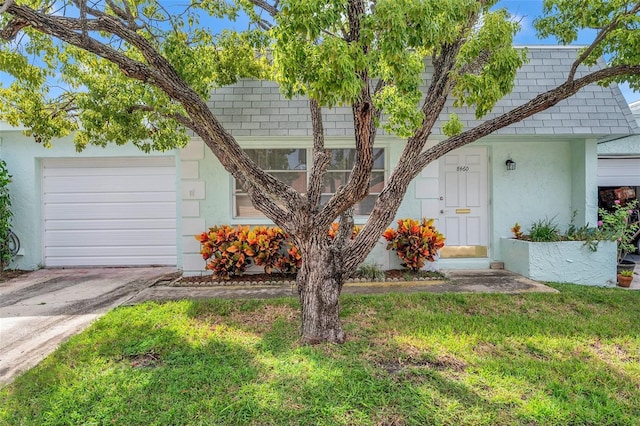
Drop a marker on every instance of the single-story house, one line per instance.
(119, 206)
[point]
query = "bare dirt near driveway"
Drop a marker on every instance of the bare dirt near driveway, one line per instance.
(10, 274)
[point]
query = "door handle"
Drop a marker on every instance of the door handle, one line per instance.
(441, 211)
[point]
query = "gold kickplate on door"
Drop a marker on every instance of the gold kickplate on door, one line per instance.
(463, 211)
(448, 252)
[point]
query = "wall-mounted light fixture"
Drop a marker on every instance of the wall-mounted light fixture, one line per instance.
(511, 165)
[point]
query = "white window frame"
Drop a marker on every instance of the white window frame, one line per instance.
(262, 220)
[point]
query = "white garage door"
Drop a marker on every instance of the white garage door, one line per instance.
(109, 212)
(619, 172)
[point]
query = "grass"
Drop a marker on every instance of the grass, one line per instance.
(419, 359)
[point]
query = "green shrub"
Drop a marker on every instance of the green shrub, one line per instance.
(545, 230)
(371, 272)
(5, 216)
(618, 225)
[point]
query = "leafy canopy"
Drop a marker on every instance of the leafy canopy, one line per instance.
(315, 53)
(328, 50)
(310, 47)
(616, 24)
(58, 89)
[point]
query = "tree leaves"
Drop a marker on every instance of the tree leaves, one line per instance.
(488, 63)
(58, 89)
(616, 25)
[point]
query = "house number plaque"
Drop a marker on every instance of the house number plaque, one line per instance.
(462, 169)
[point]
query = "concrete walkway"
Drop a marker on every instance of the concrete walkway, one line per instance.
(635, 284)
(461, 281)
(40, 310)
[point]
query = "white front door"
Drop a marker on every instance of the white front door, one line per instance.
(464, 203)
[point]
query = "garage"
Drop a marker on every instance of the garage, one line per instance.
(109, 211)
(619, 181)
(622, 171)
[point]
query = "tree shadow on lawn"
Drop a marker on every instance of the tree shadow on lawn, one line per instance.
(239, 362)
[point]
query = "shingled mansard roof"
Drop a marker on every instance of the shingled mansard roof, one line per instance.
(256, 108)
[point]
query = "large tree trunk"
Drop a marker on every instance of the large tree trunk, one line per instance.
(319, 284)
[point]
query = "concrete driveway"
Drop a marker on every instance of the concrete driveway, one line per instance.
(41, 309)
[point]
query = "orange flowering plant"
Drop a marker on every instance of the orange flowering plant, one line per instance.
(414, 242)
(333, 231)
(265, 246)
(227, 250)
(230, 250)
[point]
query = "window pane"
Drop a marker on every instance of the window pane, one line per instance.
(363, 208)
(342, 159)
(333, 180)
(279, 159)
(378, 159)
(290, 166)
(244, 208)
(298, 180)
(376, 184)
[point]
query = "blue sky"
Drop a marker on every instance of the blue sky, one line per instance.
(525, 12)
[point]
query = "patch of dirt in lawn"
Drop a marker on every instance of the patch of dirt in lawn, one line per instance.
(146, 360)
(265, 315)
(284, 279)
(442, 363)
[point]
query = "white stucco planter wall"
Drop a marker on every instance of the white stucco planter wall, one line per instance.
(563, 261)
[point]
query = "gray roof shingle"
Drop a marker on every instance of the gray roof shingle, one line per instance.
(256, 108)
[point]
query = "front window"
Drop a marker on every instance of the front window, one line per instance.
(290, 166)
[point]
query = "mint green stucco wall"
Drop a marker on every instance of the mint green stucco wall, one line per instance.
(551, 180)
(584, 167)
(24, 161)
(544, 184)
(553, 177)
(624, 146)
(564, 261)
(216, 206)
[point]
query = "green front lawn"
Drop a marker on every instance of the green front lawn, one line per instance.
(533, 359)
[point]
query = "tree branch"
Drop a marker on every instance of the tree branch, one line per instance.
(601, 35)
(387, 203)
(337, 246)
(320, 161)
(539, 103)
(124, 14)
(65, 29)
(5, 5)
(184, 120)
(161, 74)
(270, 9)
(364, 114)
